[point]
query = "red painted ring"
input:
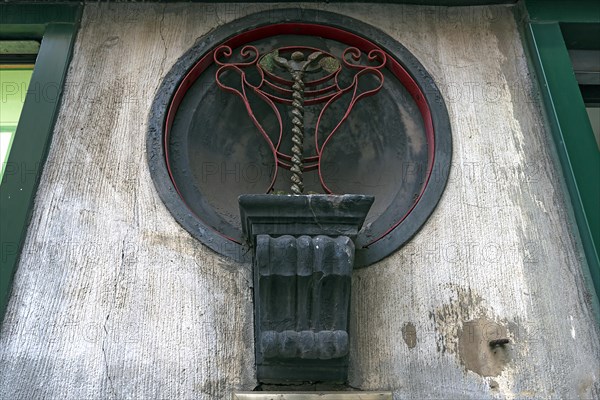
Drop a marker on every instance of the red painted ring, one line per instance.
(324, 31)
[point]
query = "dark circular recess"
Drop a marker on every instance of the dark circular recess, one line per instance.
(204, 152)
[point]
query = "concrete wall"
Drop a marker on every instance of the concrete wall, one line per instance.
(113, 299)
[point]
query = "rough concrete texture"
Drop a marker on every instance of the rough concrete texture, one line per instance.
(113, 299)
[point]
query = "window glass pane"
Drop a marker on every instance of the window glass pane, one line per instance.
(594, 115)
(586, 66)
(14, 81)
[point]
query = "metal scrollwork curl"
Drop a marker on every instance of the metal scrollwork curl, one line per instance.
(298, 92)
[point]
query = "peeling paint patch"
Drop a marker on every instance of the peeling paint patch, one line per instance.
(465, 326)
(475, 352)
(449, 317)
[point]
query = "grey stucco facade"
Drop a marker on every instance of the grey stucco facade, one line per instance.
(113, 299)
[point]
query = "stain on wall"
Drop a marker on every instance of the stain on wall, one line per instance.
(409, 335)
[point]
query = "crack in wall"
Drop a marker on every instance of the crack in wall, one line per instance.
(108, 315)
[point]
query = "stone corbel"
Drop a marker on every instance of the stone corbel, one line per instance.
(303, 260)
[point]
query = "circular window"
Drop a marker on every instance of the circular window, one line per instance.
(373, 122)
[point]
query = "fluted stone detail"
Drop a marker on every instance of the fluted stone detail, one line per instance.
(304, 293)
(323, 345)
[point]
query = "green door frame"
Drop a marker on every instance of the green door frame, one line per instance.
(56, 26)
(570, 125)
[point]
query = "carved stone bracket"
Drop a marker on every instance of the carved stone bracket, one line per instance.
(303, 260)
(304, 288)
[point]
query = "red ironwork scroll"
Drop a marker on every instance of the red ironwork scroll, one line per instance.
(273, 87)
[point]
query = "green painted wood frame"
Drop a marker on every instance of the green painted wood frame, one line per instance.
(56, 27)
(571, 128)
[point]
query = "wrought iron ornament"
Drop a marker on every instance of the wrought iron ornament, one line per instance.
(395, 146)
(325, 90)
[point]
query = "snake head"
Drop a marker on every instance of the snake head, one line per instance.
(280, 61)
(271, 60)
(311, 63)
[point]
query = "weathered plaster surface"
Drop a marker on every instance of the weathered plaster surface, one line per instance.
(113, 299)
